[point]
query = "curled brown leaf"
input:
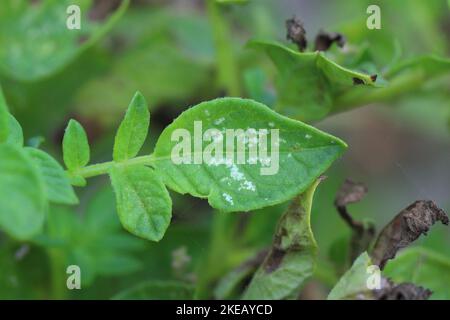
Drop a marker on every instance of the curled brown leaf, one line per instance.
(405, 228)
(324, 40)
(362, 233)
(402, 291)
(296, 33)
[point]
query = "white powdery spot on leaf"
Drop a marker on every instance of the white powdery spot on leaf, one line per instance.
(308, 136)
(236, 174)
(248, 185)
(228, 198)
(271, 124)
(219, 121)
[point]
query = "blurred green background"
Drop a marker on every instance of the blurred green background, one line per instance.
(400, 148)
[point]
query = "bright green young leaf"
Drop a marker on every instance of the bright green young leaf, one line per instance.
(143, 202)
(422, 267)
(22, 194)
(354, 281)
(259, 181)
(76, 151)
(158, 290)
(56, 181)
(15, 135)
(35, 41)
(308, 82)
(4, 121)
(291, 259)
(133, 130)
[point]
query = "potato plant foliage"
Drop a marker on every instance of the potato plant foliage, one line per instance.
(214, 200)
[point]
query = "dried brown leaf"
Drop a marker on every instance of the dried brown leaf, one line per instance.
(405, 228)
(402, 291)
(296, 33)
(324, 40)
(362, 233)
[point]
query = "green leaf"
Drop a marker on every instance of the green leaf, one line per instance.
(422, 267)
(158, 290)
(406, 79)
(229, 185)
(133, 130)
(308, 82)
(4, 121)
(354, 281)
(22, 195)
(76, 151)
(56, 181)
(15, 135)
(95, 241)
(143, 202)
(35, 41)
(291, 259)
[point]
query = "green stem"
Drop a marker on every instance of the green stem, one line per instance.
(228, 75)
(58, 280)
(103, 168)
(356, 98)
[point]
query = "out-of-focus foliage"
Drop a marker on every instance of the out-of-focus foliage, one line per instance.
(34, 39)
(94, 242)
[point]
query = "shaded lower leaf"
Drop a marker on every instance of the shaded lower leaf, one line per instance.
(143, 202)
(230, 284)
(22, 194)
(157, 290)
(291, 259)
(95, 242)
(423, 267)
(56, 181)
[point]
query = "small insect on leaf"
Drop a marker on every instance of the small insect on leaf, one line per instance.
(133, 130)
(76, 151)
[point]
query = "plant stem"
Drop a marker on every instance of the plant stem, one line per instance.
(228, 75)
(103, 168)
(356, 98)
(57, 274)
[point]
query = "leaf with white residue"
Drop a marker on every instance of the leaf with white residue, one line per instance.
(250, 178)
